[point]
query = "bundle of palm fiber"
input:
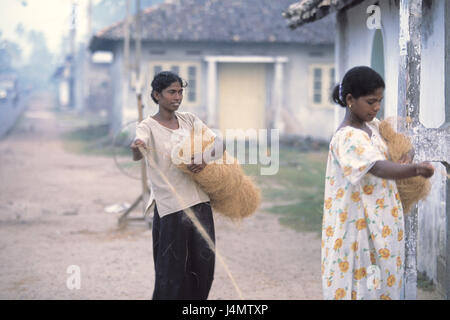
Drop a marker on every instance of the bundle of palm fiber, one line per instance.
(411, 190)
(232, 193)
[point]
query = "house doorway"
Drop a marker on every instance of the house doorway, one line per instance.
(241, 96)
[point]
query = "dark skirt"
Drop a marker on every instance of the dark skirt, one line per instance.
(184, 262)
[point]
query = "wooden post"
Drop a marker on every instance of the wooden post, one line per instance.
(446, 126)
(212, 93)
(430, 144)
(145, 189)
(408, 108)
(125, 72)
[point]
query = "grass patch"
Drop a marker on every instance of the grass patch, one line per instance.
(296, 191)
(94, 140)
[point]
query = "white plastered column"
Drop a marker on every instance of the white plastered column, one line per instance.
(212, 92)
(278, 93)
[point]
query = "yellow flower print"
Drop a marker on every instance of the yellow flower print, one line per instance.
(366, 215)
(340, 193)
(373, 260)
(323, 243)
(391, 280)
(347, 171)
(384, 183)
(353, 295)
(368, 189)
(343, 266)
(397, 196)
(355, 246)
(372, 236)
(385, 297)
(329, 283)
(399, 262)
(338, 244)
(361, 224)
(394, 212)
(359, 150)
(343, 216)
(340, 293)
(384, 253)
(400, 235)
(329, 231)
(332, 181)
(380, 202)
(386, 231)
(359, 273)
(322, 268)
(348, 135)
(328, 203)
(361, 169)
(355, 197)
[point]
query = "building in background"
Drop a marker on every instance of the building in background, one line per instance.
(245, 68)
(93, 82)
(12, 101)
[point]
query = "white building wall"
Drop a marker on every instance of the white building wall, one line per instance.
(304, 119)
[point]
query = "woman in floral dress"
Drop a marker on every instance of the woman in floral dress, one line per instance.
(363, 249)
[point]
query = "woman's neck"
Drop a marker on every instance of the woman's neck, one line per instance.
(165, 115)
(351, 120)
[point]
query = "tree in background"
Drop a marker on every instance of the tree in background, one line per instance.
(10, 55)
(35, 72)
(41, 64)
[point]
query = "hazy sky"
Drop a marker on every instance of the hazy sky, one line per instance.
(52, 17)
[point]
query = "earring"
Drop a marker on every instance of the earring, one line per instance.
(350, 106)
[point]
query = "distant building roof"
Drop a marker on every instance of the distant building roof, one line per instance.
(218, 21)
(306, 11)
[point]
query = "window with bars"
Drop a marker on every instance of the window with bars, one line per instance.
(317, 95)
(331, 84)
(321, 83)
(192, 80)
(188, 70)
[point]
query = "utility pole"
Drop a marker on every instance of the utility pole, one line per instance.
(145, 191)
(117, 122)
(72, 36)
(86, 60)
(138, 89)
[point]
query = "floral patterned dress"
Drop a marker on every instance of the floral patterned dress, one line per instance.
(363, 226)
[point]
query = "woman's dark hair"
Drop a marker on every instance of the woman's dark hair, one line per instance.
(358, 81)
(163, 80)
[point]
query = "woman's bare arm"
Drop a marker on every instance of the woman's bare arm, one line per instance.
(391, 170)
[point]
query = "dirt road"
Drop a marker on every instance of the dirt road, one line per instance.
(52, 217)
